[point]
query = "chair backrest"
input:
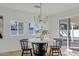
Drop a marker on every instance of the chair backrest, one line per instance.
(39, 47)
(24, 43)
(58, 42)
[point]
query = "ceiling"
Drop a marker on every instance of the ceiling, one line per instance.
(47, 8)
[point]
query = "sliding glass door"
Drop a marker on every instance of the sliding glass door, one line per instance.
(64, 32)
(74, 43)
(69, 31)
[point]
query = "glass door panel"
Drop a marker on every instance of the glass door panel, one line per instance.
(64, 32)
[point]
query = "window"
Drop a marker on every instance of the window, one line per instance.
(16, 28)
(33, 27)
(13, 28)
(74, 31)
(63, 30)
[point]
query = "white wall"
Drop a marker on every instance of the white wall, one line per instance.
(70, 13)
(54, 27)
(9, 43)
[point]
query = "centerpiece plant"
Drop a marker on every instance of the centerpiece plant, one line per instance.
(43, 33)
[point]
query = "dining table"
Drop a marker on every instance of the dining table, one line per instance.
(40, 48)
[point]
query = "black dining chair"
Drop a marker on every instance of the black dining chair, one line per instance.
(24, 47)
(39, 49)
(56, 48)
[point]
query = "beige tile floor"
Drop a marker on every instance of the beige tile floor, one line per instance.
(64, 53)
(18, 53)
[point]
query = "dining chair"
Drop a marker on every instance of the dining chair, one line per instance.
(39, 49)
(24, 47)
(56, 48)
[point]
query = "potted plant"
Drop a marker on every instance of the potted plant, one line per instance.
(43, 33)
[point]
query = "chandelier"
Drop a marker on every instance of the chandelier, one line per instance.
(39, 18)
(41, 30)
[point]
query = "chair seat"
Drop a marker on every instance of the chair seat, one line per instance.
(28, 49)
(55, 47)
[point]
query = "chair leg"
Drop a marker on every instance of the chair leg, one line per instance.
(46, 54)
(50, 52)
(60, 53)
(22, 53)
(31, 52)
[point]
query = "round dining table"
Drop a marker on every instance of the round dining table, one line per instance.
(42, 48)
